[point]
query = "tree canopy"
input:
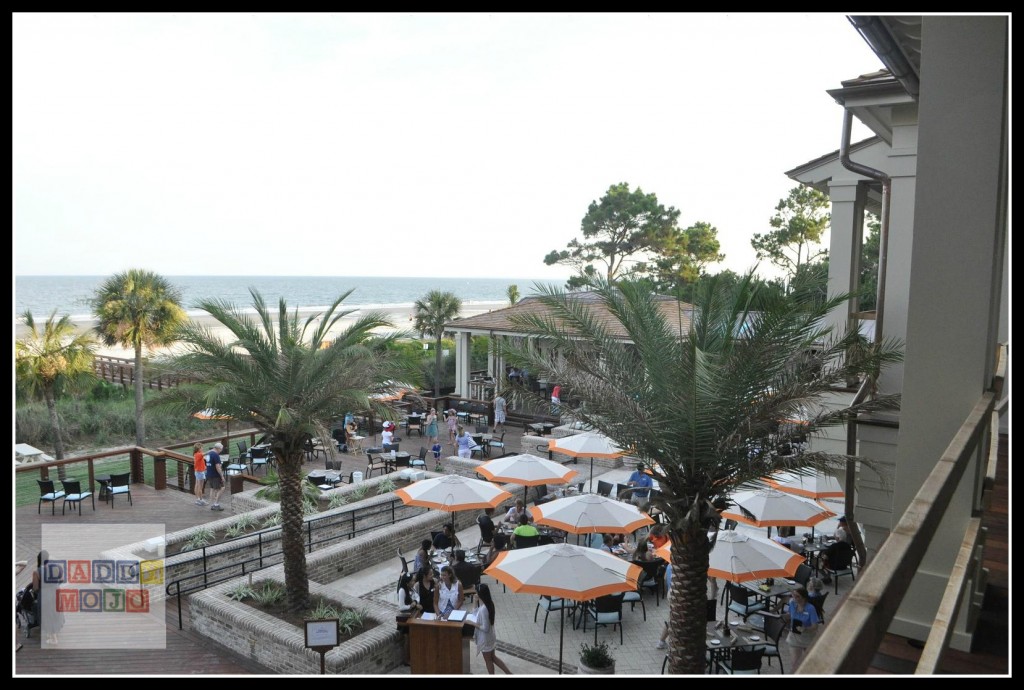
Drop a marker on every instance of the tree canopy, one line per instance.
(136, 309)
(430, 313)
(799, 222)
(286, 377)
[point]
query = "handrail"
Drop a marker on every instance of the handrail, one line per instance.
(945, 618)
(180, 587)
(872, 604)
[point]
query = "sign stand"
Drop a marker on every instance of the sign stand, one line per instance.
(322, 637)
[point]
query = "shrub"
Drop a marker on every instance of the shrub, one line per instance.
(386, 486)
(200, 538)
(268, 593)
(358, 493)
(337, 500)
(273, 521)
(596, 656)
(241, 592)
(349, 621)
(323, 609)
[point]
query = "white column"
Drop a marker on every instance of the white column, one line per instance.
(462, 350)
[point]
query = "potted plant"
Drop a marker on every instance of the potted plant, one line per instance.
(595, 659)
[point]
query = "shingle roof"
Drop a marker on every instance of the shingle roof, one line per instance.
(500, 320)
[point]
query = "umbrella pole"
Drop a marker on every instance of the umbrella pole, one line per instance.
(561, 634)
(591, 475)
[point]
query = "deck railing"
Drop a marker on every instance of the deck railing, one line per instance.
(870, 607)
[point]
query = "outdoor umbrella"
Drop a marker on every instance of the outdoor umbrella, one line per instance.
(740, 557)
(590, 444)
(211, 413)
(566, 571)
(528, 470)
(589, 513)
(452, 492)
(770, 508)
(814, 486)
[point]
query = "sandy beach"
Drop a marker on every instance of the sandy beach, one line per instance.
(400, 316)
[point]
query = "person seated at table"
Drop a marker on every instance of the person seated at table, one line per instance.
(642, 553)
(426, 587)
(467, 573)
(658, 536)
(596, 540)
(792, 543)
(448, 594)
(837, 552)
(842, 532)
(517, 511)
(446, 539)
(525, 529)
(607, 543)
(422, 556)
(486, 524)
(499, 544)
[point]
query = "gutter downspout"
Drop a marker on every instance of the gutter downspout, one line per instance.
(868, 386)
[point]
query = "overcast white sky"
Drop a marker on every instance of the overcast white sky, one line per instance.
(402, 144)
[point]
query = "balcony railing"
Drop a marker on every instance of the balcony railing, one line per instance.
(870, 607)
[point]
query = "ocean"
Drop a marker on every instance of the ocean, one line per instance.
(70, 294)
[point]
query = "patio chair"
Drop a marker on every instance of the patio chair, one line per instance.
(774, 626)
(48, 494)
(499, 443)
(607, 610)
(421, 460)
(819, 605)
(653, 578)
(550, 604)
(260, 457)
(604, 488)
(120, 484)
(73, 494)
(740, 601)
(623, 492)
(375, 464)
(742, 661)
(836, 562)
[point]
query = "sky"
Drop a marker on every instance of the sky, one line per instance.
(403, 144)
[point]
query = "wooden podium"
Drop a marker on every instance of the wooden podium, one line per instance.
(437, 647)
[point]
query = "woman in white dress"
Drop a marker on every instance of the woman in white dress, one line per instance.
(484, 635)
(448, 595)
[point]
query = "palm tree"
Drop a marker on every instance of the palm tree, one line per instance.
(47, 361)
(698, 395)
(512, 292)
(283, 376)
(138, 308)
(430, 315)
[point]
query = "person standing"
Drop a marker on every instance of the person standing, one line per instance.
(500, 411)
(643, 483)
(199, 459)
(556, 398)
(451, 419)
(215, 475)
(803, 624)
(432, 426)
(425, 586)
(448, 595)
(464, 440)
(484, 635)
(351, 431)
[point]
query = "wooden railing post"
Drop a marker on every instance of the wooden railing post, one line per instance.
(138, 471)
(159, 472)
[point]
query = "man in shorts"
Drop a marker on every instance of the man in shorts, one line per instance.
(215, 475)
(500, 410)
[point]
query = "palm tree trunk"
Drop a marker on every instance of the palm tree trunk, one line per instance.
(687, 617)
(51, 407)
(437, 368)
(293, 545)
(140, 422)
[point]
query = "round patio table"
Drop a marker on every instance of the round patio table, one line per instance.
(104, 481)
